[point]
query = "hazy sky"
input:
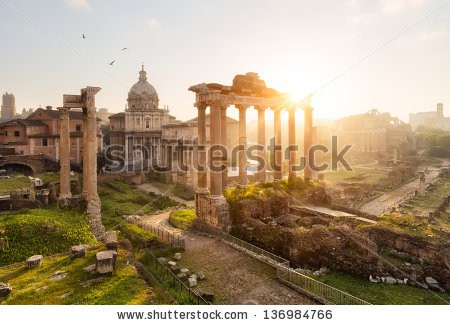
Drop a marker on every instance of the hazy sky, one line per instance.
(296, 46)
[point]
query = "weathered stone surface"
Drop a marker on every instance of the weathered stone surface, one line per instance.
(177, 256)
(90, 268)
(182, 276)
(78, 251)
(192, 282)
(5, 289)
(172, 263)
(374, 280)
(185, 271)
(65, 295)
(34, 261)
(390, 280)
(111, 240)
(432, 283)
(87, 283)
(105, 261)
(162, 260)
(58, 275)
(201, 275)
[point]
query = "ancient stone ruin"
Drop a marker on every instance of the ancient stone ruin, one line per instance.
(85, 101)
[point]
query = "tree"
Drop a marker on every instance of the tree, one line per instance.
(443, 140)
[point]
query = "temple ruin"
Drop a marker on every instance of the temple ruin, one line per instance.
(85, 101)
(246, 91)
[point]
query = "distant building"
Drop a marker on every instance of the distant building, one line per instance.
(375, 132)
(103, 115)
(8, 110)
(434, 119)
(25, 113)
(39, 134)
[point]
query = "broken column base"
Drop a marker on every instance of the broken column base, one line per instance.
(64, 201)
(95, 218)
(212, 213)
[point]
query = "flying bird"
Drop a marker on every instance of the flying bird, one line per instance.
(112, 62)
(125, 48)
(84, 36)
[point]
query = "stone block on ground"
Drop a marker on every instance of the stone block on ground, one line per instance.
(432, 283)
(390, 280)
(192, 282)
(162, 260)
(182, 276)
(90, 268)
(111, 240)
(177, 256)
(172, 263)
(5, 289)
(207, 296)
(105, 261)
(185, 271)
(58, 275)
(34, 261)
(201, 275)
(78, 251)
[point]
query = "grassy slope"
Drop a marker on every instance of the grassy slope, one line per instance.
(124, 287)
(44, 232)
(383, 294)
(118, 199)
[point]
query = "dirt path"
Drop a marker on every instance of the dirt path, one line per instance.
(231, 275)
(393, 198)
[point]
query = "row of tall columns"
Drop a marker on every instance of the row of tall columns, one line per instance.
(218, 135)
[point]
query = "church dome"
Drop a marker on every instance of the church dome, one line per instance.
(142, 95)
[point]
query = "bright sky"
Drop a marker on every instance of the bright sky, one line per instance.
(296, 46)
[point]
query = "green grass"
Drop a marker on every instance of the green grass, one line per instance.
(15, 182)
(119, 198)
(421, 205)
(52, 177)
(123, 287)
(129, 227)
(182, 218)
(383, 294)
(43, 232)
(358, 175)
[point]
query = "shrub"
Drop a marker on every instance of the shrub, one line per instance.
(182, 219)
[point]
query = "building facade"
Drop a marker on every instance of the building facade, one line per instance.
(431, 120)
(39, 134)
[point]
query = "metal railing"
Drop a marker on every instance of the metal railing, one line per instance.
(317, 290)
(175, 281)
(166, 236)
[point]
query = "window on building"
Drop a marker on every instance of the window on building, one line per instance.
(78, 127)
(147, 124)
(17, 133)
(112, 127)
(6, 133)
(45, 142)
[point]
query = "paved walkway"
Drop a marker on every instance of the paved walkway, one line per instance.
(231, 275)
(386, 201)
(149, 187)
